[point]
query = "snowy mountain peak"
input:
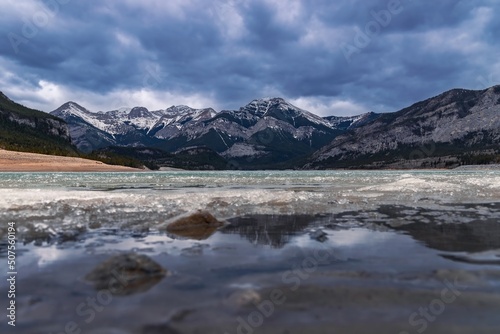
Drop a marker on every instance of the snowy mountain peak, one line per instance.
(270, 105)
(282, 110)
(180, 109)
(267, 100)
(70, 108)
(72, 104)
(272, 100)
(183, 111)
(139, 112)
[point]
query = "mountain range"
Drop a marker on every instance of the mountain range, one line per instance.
(454, 128)
(266, 133)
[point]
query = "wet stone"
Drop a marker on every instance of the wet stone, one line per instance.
(319, 235)
(198, 226)
(126, 274)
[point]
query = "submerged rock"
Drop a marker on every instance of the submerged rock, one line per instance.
(126, 274)
(319, 235)
(198, 226)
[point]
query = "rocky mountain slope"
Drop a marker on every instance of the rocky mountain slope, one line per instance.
(29, 130)
(261, 134)
(456, 127)
(438, 132)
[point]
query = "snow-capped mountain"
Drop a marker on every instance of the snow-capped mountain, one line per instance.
(272, 133)
(284, 111)
(264, 131)
(119, 121)
(83, 127)
(126, 126)
(176, 118)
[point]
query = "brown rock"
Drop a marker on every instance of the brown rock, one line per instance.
(199, 226)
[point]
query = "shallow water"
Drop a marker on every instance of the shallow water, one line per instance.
(392, 242)
(147, 199)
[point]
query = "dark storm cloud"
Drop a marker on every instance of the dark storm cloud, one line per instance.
(233, 51)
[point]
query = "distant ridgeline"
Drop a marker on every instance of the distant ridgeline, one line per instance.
(454, 128)
(457, 127)
(28, 130)
(265, 134)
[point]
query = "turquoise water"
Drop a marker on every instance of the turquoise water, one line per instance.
(174, 180)
(147, 200)
(228, 194)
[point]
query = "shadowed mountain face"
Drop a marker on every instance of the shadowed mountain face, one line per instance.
(29, 130)
(451, 124)
(265, 133)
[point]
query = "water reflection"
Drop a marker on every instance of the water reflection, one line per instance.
(270, 230)
(436, 229)
(477, 236)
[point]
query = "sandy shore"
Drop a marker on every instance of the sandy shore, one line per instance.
(11, 161)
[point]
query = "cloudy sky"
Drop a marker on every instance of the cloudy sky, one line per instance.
(338, 57)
